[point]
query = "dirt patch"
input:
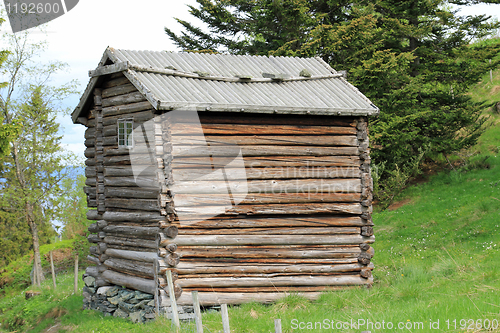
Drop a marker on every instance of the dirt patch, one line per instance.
(495, 90)
(57, 327)
(55, 313)
(60, 255)
(400, 204)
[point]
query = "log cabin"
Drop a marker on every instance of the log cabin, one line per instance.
(246, 176)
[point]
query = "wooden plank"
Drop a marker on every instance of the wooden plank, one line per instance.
(256, 252)
(115, 82)
(187, 200)
(271, 161)
(217, 298)
(228, 151)
(130, 241)
(132, 267)
(129, 98)
(250, 129)
(132, 217)
(202, 268)
(126, 109)
(273, 261)
(144, 182)
(270, 173)
(126, 171)
(104, 70)
(130, 192)
(90, 133)
(89, 152)
(274, 231)
(271, 140)
(139, 150)
(132, 255)
(132, 282)
(276, 221)
(263, 186)
(191, 212)
(334, 280)
(148, 232)
(138, 204)
(284, 290)
(286, 209)
(122, 160)
(228, 240)
(118, 90)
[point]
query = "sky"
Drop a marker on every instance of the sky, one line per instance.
(80, 37)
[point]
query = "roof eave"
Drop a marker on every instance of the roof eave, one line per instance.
(169, 106)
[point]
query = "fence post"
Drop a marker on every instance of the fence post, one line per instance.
(197, 312)
(52, 270)
(277, 325)
(491, 74)
(173, 302)
(225, 318)
(76, 273)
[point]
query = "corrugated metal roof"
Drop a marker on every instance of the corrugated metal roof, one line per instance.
(204, 82)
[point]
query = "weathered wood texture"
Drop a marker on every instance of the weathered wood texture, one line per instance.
(304, 225)
(306, 212)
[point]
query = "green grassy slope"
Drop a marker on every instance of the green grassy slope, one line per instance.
(437, 258)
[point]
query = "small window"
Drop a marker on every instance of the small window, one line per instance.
(125, 127)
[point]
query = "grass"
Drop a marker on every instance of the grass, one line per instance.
(437, 268)
(437, 258)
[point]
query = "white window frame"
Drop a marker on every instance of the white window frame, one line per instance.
(125, 129)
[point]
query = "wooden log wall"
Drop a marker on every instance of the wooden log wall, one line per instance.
(127, 214)
(305, 224)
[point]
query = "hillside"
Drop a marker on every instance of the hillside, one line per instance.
(437, 259)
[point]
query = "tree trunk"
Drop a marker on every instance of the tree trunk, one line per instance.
(36, 245)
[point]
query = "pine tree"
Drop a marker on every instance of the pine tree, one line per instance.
(413, 59)
(32, 174)
(32, 171)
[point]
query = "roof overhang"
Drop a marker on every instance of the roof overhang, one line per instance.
(110, 64)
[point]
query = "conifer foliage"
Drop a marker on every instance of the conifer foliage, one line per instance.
(414, 59)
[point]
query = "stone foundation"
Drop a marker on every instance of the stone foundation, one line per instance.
(126, 303)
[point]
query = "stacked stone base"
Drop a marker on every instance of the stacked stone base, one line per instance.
(126, 303)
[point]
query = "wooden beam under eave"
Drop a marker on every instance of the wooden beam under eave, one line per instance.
(110, 69)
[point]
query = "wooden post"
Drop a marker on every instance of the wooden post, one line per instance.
(34, 273)
(225, 318)
(277, 325)
(491, 74)
(52, 270)
(173, 302)
(76, 274)
(197, 312)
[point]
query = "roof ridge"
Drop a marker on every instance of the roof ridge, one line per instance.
(195, 75)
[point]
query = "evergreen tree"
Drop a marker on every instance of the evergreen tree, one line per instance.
(413, 59)
(32, 171)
